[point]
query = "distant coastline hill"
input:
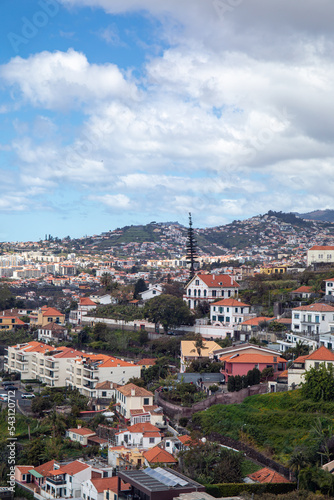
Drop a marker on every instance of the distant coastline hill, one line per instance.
(320, 215)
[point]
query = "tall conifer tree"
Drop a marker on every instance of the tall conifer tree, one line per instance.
(191, 248)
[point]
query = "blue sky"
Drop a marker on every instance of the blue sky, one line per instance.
(118, 112)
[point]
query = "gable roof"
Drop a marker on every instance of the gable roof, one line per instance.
(244, 347)
(303, 289)
(143, 427)
(86, 301)
(321, 354)
(44, 469)
(51, 311)
(108, 483)
(257, 320)
(229, 302)
(317, 307)
(252, 358)
(217, 280)
(266, 475)
(127, 389)
(74, 467)
(82, 431)
(321, 247)
(158, 455)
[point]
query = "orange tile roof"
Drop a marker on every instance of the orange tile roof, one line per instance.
(256, 321)
(83, 431)
(86, 301)
(301, 359)
(218, 280)
(127, 389)
(321, 354)
(317, 307)
(143, 427)
(303, 289)
(158, 455)
(44, 469)
(252, 358)
(230, 302)
(109, 483)
(51, 311)
(266, 475)
(321, 247)
(24, 469)
(74, 467)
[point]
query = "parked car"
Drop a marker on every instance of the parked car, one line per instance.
(27, 396)
(10, 388)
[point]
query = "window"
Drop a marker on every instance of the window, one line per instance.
(195, 293)
(214, 293)
(317, 319)
(221, 309)
(296, 315)
(146, 401)
(227, 319)
(213, 318)
(151, 440)
(229, 293)
(204, 293)
(227, 309)
(154, 292)
(222, 293)
(236, 309)
(196, 282)
(189, 292)
(323, 317)
(199, 293)
(107, 495)
(316, 365)
(104, 394)
(296, 327)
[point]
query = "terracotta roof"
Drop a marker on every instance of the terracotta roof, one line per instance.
(53, 326)
(109, 483)
(330, 279)
(139, 391)
(24, 469)
(74, 467)
(185, 440)
(256, 321)
(252, 358)
(321, 354)
(51, 311)
(98, 440)
(103, 385)
(267, 476)
(43, 469)
(303, 289)
(284, 321)
(217, 281)
(86, 301)
(83, 431)
(229, 302)
(317, 307)
(158, 455)
(143, 427)
(321, 247)
(300, 359)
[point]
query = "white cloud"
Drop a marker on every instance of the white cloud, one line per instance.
(117, 201)
(63, 80)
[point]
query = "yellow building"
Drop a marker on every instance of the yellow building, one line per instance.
(273, 270)
(46, 315)
(10, 322)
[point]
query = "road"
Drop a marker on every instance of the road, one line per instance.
(25, 404)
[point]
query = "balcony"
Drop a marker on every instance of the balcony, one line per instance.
(57, 481)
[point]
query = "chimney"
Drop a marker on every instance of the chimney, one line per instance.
(79, 426)
(133, 392)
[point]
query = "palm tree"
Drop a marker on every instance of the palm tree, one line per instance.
(298, 460)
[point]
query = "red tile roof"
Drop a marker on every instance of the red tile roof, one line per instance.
(83, 431)
(74, 467)
(230, 302)
(44, 469)
(266, 475)
(158, 455)
(51, 311)
(143, 427)
(321, 354)
(86, 301)
(109, 483)
(317, 307)
(218, 280)
(303, 289)
(321, 247)
(252, 358)
(256, 321)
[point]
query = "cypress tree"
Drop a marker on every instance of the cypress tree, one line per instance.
(191, 248)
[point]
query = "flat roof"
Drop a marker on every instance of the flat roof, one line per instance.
(142, 480)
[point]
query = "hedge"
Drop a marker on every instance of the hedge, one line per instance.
(232, 489)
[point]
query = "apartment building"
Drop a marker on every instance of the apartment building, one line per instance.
(209, 287)
(87, 370)
(320, 254)
(131, 397)
(35, 360)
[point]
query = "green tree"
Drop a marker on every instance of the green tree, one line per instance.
(231, 384)
(140, 286)
(169, 311)
(319, 383)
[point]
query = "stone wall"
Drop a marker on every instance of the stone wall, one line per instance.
(175, 411)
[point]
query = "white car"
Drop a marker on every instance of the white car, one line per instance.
(27, 396)
(3, 397)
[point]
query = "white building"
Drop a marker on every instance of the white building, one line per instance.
(209, 287)
(142, 435)
(86, 371)
(302, 364)
(153, 291)
(320, 254)
(229, 312)
(313, 319)
(329, 286)
(131, 397)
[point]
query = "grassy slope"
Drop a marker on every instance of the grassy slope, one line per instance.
(273, 422)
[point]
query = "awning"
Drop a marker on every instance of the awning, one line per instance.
(34, 473)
